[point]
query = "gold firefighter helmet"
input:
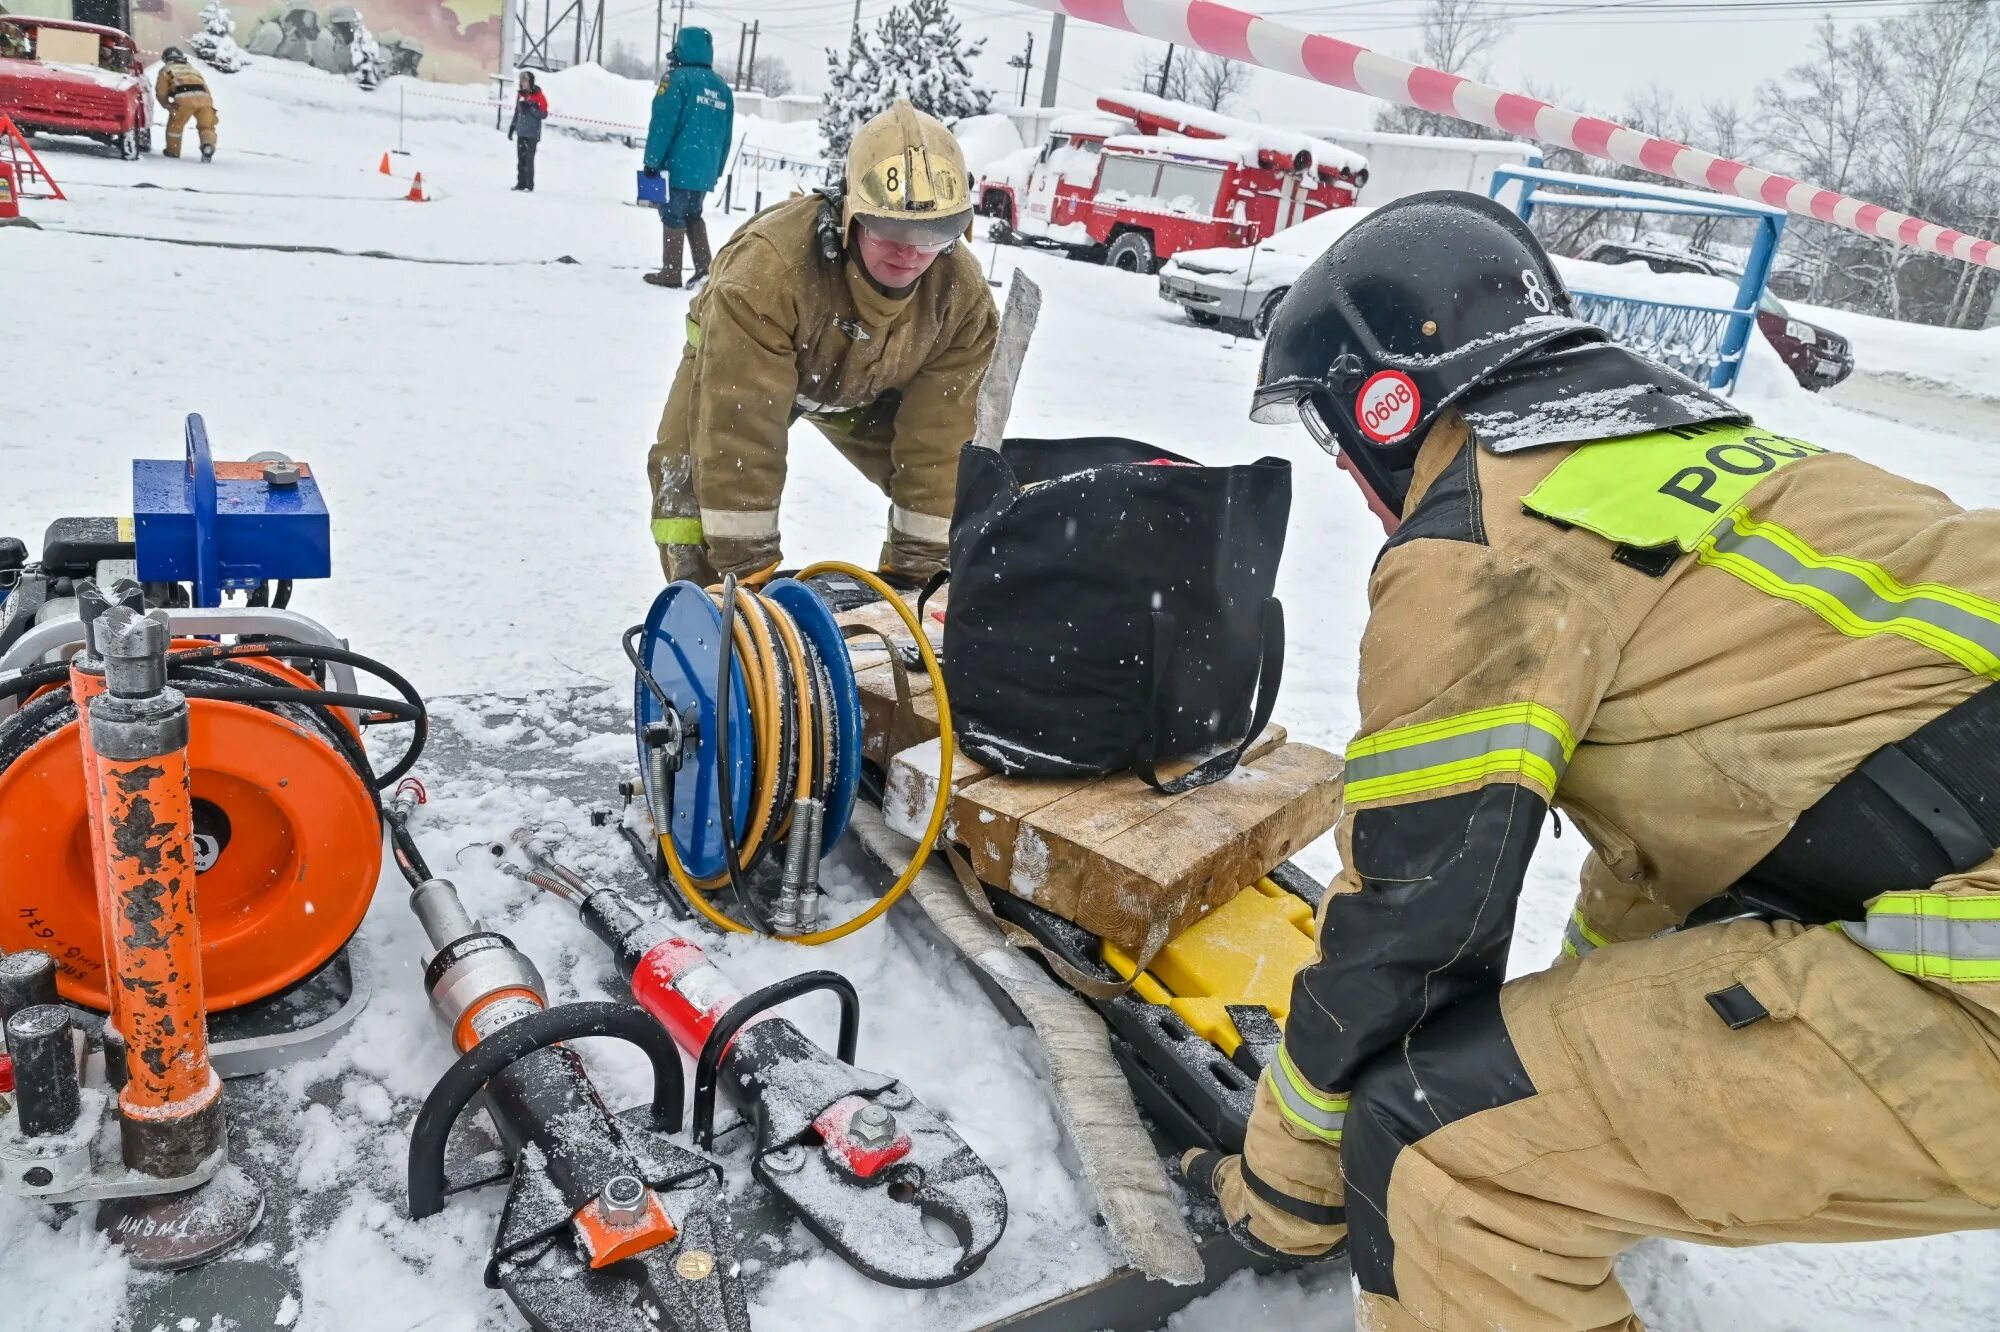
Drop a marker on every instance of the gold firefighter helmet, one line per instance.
(906, 177)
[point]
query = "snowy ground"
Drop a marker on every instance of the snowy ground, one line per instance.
(479, 423)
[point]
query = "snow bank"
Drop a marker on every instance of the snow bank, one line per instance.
(984, 139)
(592, 92)
(1967, 360)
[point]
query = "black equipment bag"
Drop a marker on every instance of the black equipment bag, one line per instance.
(1111, 608)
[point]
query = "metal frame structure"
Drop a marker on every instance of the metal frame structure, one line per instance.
(1704, 342)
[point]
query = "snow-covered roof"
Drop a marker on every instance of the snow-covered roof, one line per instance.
(1226, 152)
(1090, 123)
(1268, 138)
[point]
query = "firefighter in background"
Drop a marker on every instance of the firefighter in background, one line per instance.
(688, 137)
(184, 92)
(1758, 676)
(856, 308)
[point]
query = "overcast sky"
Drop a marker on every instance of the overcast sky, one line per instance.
(1594, 51)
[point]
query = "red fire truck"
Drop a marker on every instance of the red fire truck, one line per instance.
(1145, 178)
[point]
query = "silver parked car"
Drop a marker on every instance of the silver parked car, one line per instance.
(1239, 289)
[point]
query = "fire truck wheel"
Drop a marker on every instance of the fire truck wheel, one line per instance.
(1131, 251)
(145, 139)
(1260, 324)
(128, 145)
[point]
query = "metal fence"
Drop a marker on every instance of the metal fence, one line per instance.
(1688, 338)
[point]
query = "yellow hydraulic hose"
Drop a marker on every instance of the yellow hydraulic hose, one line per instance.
(764, 689)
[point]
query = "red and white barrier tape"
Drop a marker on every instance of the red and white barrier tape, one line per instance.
(1238, 35)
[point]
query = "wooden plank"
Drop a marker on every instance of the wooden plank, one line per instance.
(990, 815)
(1150, 879)
(912, 785)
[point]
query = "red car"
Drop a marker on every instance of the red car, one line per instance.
(58, 77)
(1817, 357)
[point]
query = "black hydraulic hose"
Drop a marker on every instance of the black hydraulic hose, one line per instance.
(723, 785)
(332, 698)
(513, 1042)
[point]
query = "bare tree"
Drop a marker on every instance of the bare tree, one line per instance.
(1459, 37)
(770, 75)
(1216, 83)
(1168, 75)
(625, 60)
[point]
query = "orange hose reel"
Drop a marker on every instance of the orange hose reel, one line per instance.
(288, 850)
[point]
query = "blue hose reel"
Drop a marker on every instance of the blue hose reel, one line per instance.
(680, 646)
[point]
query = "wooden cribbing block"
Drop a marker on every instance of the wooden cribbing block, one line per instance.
(1114, 855)
(881, 735)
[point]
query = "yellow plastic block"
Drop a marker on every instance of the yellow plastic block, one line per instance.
(1244, 952)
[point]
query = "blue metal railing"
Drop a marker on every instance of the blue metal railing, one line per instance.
(1704, 342)
(1692, 339)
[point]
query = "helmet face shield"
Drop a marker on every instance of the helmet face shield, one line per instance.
(924, 233)
(1318, 424)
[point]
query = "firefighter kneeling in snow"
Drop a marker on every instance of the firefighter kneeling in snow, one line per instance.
(1758, 677)
(857, 309)
(184, 92)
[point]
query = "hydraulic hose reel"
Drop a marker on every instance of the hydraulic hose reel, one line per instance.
(747, 719)
(286, 821)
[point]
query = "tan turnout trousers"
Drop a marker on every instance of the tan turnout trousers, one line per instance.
(200, 108)
(1863, 1108)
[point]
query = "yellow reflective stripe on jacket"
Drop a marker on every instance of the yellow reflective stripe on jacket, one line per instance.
(1933, 935)
(677, 531)
(1513, 739)
(1856, 597)
(1579, 938)
(1306, 1107)
(693, 333)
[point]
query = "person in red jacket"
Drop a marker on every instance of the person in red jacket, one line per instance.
(531, 108)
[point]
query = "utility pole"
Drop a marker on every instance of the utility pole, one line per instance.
(1052, 62)
(756, 28)
(742, 41)
(1166, 68)
(508, 41)
(659, 27)
(857, 20)
(1025, 62)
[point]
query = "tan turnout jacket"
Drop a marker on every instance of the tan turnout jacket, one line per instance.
(1680, 640)
(780, 332)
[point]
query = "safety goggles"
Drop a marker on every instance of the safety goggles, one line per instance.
(1314, 411)
(929, 236)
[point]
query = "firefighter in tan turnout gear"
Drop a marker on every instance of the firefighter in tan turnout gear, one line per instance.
(858, 309)
(184, 92)
(1757, 675)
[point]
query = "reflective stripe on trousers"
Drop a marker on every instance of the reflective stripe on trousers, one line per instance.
(1517, 739)
(1858, 598)
(1933, 935)
(1305, 1106)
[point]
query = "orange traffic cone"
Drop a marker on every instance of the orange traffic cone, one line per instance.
(416, 194)
(385, 166)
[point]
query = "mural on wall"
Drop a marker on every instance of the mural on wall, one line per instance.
(455, 41)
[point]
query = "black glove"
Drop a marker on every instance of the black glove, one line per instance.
(1198, 1169)
(650, 173)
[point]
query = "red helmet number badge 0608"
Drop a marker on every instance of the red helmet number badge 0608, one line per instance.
(1387, 406)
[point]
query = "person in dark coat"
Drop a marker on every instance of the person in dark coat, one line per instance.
(531, 108)
(694, 118)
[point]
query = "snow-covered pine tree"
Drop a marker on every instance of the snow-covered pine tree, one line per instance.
(916, 51)
(215, 45)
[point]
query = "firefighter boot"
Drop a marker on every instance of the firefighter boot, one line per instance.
(670, 258)
(697, 234)
(208, 152)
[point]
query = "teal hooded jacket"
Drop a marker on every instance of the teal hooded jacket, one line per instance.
(694, 117)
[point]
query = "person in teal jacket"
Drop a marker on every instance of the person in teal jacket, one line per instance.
(694, 121)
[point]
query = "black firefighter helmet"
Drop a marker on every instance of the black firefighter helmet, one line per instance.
(173, 55)
(1447, 299)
